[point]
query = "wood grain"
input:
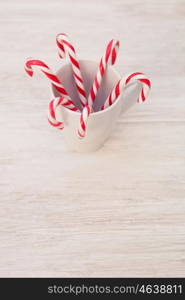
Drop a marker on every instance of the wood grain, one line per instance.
(116, 212)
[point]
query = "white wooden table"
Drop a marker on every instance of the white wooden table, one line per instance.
(116, 212)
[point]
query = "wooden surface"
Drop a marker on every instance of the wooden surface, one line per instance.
(116, 212)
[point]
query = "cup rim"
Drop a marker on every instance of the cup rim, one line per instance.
(97, 112)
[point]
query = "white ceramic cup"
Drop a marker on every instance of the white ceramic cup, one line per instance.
(100, 123)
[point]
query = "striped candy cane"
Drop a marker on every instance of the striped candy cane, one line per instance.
(65, 46)
(52, 77)
(51, 112)
(83, 121)
(109, 57)
(121, 85)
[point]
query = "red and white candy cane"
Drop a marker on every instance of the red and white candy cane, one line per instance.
(109, 57)
(121, 85)
(52, 77)
(58, 101)
(51, 112)
(65, 46)
(83, 121)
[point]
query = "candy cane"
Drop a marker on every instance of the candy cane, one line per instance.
(65, 46)
(121, 85)
(51, 113)
(83, 121)
(52, 77)
(109, 57)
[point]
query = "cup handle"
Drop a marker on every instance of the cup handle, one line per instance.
(130, 96)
